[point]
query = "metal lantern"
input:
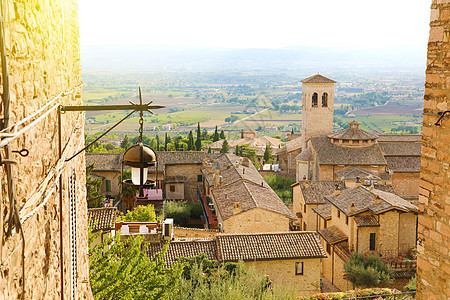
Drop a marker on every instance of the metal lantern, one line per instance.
(139, 158)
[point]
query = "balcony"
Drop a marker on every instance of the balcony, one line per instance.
(208, 210)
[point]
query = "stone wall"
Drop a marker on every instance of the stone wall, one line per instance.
(256, 220)
(282, 273)
(406, 184)
(433, 264)
(190, 173)
(183, 232)
(42, 50)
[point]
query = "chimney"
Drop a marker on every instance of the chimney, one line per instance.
(352, 207)
(236, 207)
(377, 199)
(337, 190)
(358, 182)
(304, 177)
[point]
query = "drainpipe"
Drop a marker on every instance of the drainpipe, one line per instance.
(61, 248)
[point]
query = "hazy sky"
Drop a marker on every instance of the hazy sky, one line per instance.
(256, 24)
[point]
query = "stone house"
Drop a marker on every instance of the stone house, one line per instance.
(365, 220)
(43, 250)
(433, 265)
(288, 153)
(104, 220)
(107, 166)
(239, 198)
(289, 259)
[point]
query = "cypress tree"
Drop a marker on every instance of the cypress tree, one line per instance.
(157, 143)
(209, 149)
(236, 150)
(225, 147)
(198, 142)
(216, 135)
(292, 131)
(222, 135)
(165, 142)
(190, 141)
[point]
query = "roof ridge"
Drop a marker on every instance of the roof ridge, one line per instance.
(252, 196)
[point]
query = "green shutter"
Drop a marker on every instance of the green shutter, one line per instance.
(108, 185)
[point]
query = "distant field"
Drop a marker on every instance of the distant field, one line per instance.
(389, 110)
(383, 122)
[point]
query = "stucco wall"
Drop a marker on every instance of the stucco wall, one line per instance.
(43, 60)
(190, 172)
(282, 273)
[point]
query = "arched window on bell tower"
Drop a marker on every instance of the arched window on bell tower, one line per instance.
(314, 99)
(324, 99)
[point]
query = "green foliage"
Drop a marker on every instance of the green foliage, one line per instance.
(126, 190)
(282, 186)
(125, 144)
(122, 270)
(351, 294)
(195, 210)
(179, 211)
(225, 147)
(405, 129)
(267, 154)
(367, 271)
(216, 135)
(198, 142)
(190, 144)
(222, 134)
(166, 141)
(141, 213)
(411, 286)
(93, 196)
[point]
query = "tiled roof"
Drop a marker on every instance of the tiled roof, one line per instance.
(249, 196)
(332, 235)
(318, 79)
(324, 211)
(269, 246)
(366, 221)
(102, 218)
(189, 248)
(384, 187)
(399, 138)
(232, 170)
(354, 134)
(104, 161)
(407, 164)
(305, 155)
(363, 199)
(353, 172)
(331, 154)
(401, 149)
(164, 158)
(291, 145)
(314, 191)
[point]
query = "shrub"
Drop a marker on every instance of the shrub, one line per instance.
(196, 210)
(368, 271)
(179, 211)
(411, 286)
(142, 213)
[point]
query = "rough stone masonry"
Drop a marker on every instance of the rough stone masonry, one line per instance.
(43, 58)
(433, 247)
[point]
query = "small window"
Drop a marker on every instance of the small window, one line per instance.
(324, 100)
(199, 178)
(304, 226)
(314, 99)
(328, 248)
(325, 224)
(372, 242)
(304, 208)
(346, 220)
(339, 214)
(108, 185)
(299, 268)
(172, 188)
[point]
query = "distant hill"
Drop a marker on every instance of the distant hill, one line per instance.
(290, 59)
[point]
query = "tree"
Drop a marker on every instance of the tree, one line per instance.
(209, 149)
(190, 141)
(267, 154)
(216, 135)
(292, 131)
(122, 270)
(367, 271)
(225, 147)
(198, 142)
(125, 144)
(93, 196)
(142, 213)
(165, 142)
(157, 143)
(236, 150)
(222, 134)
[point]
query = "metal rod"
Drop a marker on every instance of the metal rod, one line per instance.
(134, 107)
(90, 144)
(61, 247)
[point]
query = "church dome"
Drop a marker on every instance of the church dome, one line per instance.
(353, 136)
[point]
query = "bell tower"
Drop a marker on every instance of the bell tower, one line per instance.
(317, 107)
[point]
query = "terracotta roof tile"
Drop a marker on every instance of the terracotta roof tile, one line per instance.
(332, 235)
(399, 138)
(406, 164)
(104, 161)
(315, 191)
(267, 246)
(353, 134)
(324, 211)
(353, 172)
(305, 155)
(401, 149)
(318, 79)
(102, 218)
(331, 154)
(366, 221)
(189, 248)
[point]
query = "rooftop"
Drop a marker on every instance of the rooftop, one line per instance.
(332, 154)
(318, 79)
(353, 133)
(353, 172)
(404, 164)
(401, 149)
(314, 191)
(400, 138)
(102, 218)
(332, 235)
(104, 161)
(324, 211)
(366, 221)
